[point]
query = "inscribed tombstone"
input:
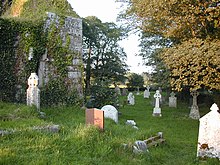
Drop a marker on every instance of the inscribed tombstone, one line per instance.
(95, 117)
(172, 100)
(130, 98)
(147, 92)
(209, 133)
(110, 112)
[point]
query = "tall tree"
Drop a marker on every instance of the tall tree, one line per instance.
(135, 80)
(193, 27)
(104, 58)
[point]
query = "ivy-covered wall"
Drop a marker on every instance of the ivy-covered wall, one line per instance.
(51, 47)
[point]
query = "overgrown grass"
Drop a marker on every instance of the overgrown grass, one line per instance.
(79, 144)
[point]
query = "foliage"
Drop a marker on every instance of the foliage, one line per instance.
(27, 9)
(187, 24)
(55, 93)
(19, 34)
(194, 63)
(102, 95)
(15, 44)
(105, 59)
(177, 19)
(4, 5)
(89, 146)
(135, 80)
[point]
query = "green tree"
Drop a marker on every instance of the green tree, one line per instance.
(135, 80)
(194, 29)
(104, 58)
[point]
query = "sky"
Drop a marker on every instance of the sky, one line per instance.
(107, 11)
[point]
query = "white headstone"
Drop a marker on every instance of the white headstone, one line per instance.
(138, 91)
(131, 100)
(110, 112)
(157, 109)
(194, 112)
(33, 92)
(147, 92)
(209, 133)
(172, 100)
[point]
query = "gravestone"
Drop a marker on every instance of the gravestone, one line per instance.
(157, 109)
(138, 91)
(172, 100)
(95, 117)
(124, 91)
(209, 133)
(117, 91)
(139, 147)
(131, 98)
(147, 92)
(110, 112)
(33, 92)
(194, 112)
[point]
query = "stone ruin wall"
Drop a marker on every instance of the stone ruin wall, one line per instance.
(72, 28)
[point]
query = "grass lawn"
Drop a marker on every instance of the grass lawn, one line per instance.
(77, 144)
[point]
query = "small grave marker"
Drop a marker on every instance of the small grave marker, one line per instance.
(95, 117)
(172, 100)
(131, 100)
(147, 92)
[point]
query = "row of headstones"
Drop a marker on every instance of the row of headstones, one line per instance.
(209, 130)
(157, 96)
(194, 113)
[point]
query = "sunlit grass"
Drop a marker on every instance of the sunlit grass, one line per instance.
(77, 143)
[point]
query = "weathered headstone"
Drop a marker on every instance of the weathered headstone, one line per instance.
(209, 133)
(172, 100)
(132, 123)
(157, 109)
(131, 98)
(147, 92)
(138, 91)
(194, 112)
(33, 92)
(124, 91)
(95, 117)
(139, 147)
(110, 112)
(117, 90)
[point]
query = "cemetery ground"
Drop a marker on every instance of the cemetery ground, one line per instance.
(76, 143)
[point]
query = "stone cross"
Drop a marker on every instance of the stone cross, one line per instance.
(33, 92)
(194, 113)
(157, 109)
(172, 100)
